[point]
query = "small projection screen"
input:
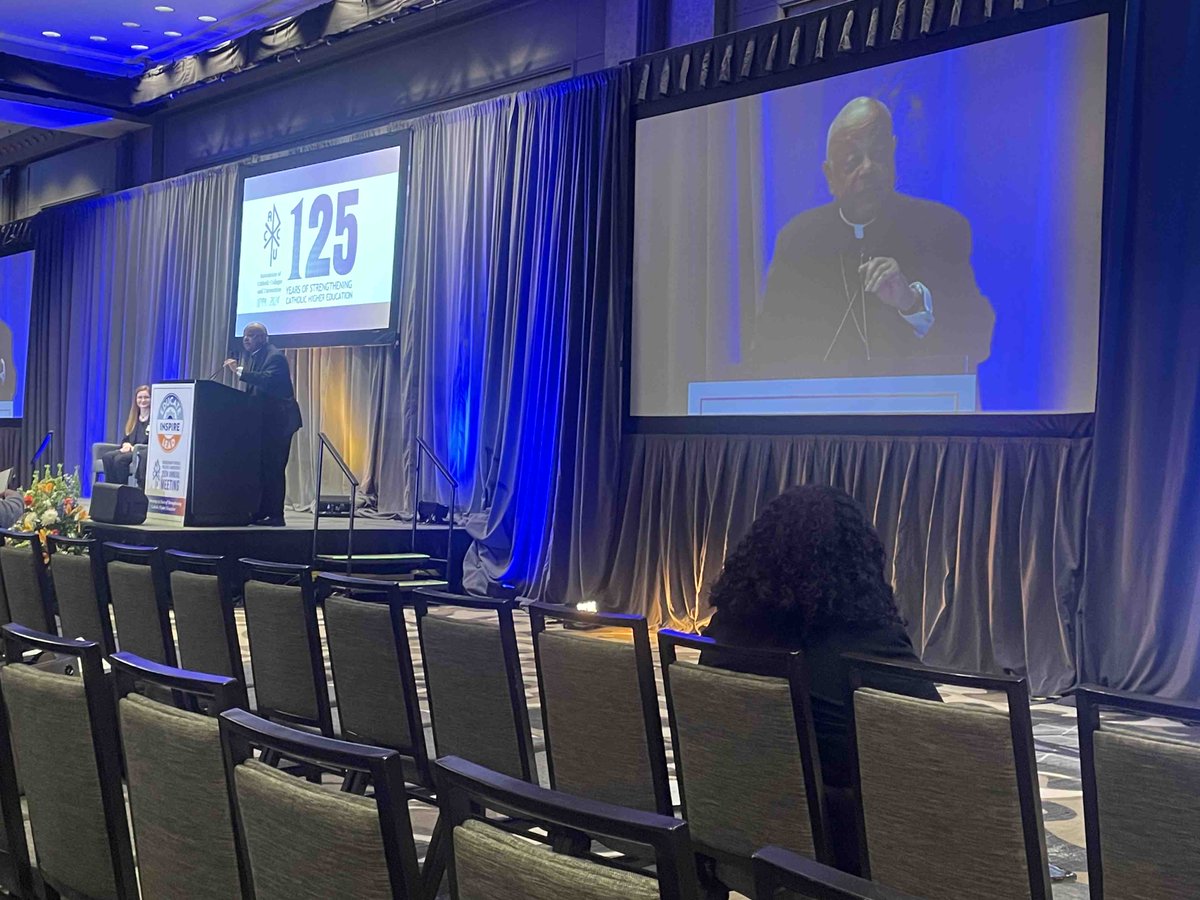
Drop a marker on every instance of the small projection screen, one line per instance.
(16, 295)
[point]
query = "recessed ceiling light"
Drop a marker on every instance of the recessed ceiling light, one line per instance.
(164, 9)
(207, 18)
(98, 38)
(173, 33)
(131, 24)
(51, 34)
(138, 47)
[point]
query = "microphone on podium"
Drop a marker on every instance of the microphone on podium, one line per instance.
(215, 372)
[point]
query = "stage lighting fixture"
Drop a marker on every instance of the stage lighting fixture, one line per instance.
(432, 513)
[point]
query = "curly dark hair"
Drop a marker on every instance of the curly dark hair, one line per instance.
(811, 561)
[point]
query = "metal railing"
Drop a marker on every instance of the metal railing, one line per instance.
(326, 444)
(423, 450)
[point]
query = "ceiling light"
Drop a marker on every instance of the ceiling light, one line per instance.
(51, 34)
(164, 9)
(131, 24)
(207, 18)
(138, 47)
(173, 33)
(98, 38)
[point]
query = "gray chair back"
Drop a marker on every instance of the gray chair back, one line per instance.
(81, 590)
(488, 862)
(205, 627)
(140, 601)
(966, 798)
(23, 570)
(64, 737)
(371, 660)
(296, 839)
(285, 645)
(735, 803)
(600, 711)
(176, 776)
(473, 682)
(1141, 794)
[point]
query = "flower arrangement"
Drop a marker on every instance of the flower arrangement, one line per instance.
(52, 505)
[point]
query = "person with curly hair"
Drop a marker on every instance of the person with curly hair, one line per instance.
(809, 576)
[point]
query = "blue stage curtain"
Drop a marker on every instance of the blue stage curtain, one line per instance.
(1141, 613)
(128, 289)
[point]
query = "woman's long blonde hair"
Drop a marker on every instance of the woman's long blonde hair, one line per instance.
(132, 421)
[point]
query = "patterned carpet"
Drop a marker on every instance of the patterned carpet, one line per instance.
(1054, 734)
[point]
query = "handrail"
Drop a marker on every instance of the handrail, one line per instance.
(323, 444)
(438, 464)
(423, 449)
(337, 458)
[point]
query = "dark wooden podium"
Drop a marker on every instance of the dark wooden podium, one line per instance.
(224, 454)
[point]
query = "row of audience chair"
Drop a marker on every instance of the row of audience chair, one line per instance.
(746, 780)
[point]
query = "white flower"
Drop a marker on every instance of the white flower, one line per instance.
(49, 517)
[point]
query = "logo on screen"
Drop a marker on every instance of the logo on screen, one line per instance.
(271, 235)
(168, 424)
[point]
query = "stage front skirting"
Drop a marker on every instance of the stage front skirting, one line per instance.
(984, 536)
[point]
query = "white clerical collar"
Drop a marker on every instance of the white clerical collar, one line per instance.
(858, 229)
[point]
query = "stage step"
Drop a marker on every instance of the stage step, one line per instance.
(406, 558)
(397, 564)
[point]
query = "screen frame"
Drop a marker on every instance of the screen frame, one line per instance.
(1117, 126)
(375, 337)
(22, 246)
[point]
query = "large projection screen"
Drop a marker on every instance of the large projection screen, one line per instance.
(16, 297)
(319, 245)
(923, 237)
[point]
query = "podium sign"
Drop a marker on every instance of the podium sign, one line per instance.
(169, 458)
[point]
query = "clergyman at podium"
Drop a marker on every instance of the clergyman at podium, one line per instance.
(264, 370)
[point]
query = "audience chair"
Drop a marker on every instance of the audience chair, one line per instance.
(140, 599)
(64, 736)
(744, 786)
(373, 675)
(486, 861)
(16, 876)
(473, 682)
(301, 840)
(600, 713)
(26, 584)
(81, 590)
(182, 827)
(1141, 795)
(200, 591)
(777, 870)
(285, 644)
(945, 787)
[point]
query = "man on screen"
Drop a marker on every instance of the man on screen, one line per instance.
(875, 275)
(264, 369)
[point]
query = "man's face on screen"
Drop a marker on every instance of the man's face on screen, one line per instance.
(861, 168)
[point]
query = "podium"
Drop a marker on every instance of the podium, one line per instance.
(204, 455)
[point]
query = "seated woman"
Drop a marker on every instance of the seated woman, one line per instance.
(118, 462)
(809, 576)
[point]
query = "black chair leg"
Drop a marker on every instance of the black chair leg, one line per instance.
(435, 861)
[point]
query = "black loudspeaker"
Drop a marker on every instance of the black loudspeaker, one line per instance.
(118, 504)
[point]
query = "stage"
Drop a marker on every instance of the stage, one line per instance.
(292, 543)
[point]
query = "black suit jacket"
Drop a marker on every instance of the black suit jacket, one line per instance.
(268, 376)
(830, 675)
(816, 263)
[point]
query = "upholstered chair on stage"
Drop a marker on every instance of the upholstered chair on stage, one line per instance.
(26, 586)
(946, 787)
(81, 589)
(374, 678)
(64, 734)
(202, 596)
(745, 755)
(296, 839)
(140, 601)
(1141, 796)
(487, 861)
(285, 644)
(776, 869)
(600, 711)
(473, 679)
(182, 826)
